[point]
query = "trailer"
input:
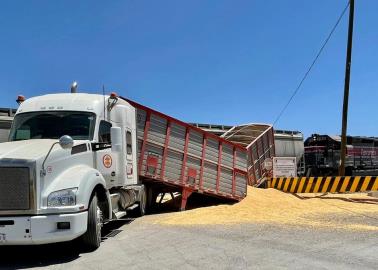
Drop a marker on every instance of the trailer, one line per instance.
(187, 159)
(257, 139)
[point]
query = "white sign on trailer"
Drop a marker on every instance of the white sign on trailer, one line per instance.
(284, 167)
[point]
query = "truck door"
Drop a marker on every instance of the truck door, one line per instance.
(106, 161)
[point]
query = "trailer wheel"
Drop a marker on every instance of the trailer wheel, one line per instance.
(92, 237)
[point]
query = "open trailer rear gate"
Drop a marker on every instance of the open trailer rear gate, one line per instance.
(258, 139)
(176, 154)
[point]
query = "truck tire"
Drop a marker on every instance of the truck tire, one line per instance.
(141, 210)
(92, 237)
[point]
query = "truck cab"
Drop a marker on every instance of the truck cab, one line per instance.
(68, 167)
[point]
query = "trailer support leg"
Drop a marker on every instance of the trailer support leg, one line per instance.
(186, 192)
(162, 195)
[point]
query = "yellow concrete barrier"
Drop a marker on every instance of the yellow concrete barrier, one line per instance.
(333, 184)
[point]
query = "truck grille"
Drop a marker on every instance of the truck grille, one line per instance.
(14, 188)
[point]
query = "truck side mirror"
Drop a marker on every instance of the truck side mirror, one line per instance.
(66, 142)
(116, 139)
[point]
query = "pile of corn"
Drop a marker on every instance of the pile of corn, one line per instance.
(270, 206)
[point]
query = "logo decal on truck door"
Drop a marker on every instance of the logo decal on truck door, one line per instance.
(129, 170)
(107, 161)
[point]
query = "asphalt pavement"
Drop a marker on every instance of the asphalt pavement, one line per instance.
(142, 245)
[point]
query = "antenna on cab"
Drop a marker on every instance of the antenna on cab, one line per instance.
(103, 94)
(74, 86)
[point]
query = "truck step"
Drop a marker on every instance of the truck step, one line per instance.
(114, 199)
(120, 214)
(132, 207)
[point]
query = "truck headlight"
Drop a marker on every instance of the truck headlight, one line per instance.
(65, 197)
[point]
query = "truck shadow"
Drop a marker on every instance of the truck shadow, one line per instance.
(21, 257)
(196, 200)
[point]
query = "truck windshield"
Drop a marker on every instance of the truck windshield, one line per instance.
(52, 125)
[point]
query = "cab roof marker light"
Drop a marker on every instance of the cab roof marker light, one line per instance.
(20, 99)
(113, 98)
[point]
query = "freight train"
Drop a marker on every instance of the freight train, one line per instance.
(322, 155)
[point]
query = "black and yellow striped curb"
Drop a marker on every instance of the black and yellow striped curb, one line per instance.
(332, 184)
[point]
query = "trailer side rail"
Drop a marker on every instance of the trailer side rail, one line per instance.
(176, 153)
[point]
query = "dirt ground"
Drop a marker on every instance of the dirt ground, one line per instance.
(267, 230)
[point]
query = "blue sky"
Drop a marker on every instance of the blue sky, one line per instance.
(225, 62)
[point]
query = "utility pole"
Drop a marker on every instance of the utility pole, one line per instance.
(346, 90)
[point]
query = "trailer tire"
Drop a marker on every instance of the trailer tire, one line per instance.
(91, 239)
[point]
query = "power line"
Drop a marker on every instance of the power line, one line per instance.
(346, 209)
(312, 64)
(306, 74)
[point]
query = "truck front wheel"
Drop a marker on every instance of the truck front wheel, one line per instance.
(92, 238)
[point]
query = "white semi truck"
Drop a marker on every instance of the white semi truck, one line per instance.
(75, 161)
